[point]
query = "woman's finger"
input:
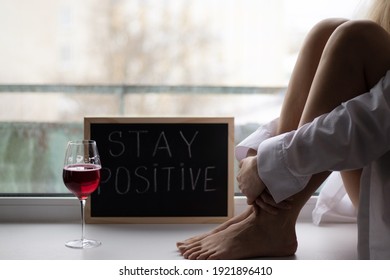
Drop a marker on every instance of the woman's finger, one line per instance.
(267, 198)
(266, 207)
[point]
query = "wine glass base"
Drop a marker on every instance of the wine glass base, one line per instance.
(83, 244)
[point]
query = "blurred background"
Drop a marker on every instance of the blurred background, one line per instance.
(61, 60)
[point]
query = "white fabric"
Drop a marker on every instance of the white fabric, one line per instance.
(253, 141)
(333, 203)
(354, 135)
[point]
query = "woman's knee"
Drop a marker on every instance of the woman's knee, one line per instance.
(324, 29)
(363, 43)
(328, 25)
(359, 33)
(318, 37)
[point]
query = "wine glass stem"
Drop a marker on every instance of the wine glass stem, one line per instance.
(82, 203)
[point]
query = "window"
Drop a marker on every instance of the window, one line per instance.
(63, 60)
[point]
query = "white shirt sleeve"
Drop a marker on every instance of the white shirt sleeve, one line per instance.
(350, 137)
(253, 141)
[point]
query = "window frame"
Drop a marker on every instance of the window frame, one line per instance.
(15, 209)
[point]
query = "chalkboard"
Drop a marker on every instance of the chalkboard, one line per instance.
(162, 170)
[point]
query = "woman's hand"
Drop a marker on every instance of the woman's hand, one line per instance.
(248, 179)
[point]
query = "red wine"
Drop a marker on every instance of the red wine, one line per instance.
(81, 179)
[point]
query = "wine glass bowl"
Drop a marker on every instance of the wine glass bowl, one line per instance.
(81, 179)
(81, 175)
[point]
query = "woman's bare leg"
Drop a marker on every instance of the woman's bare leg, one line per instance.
(304, 71)
(373, 65)
(292, 108)
(297, 95)
(351, 180)
(354, 59)
(294, 101)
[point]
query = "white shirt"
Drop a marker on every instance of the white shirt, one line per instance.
(354, 135)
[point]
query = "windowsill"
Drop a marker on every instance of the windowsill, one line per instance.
(40, 226)
(43, 241)
(67, 209)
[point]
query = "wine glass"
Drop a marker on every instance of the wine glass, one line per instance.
(81, 175)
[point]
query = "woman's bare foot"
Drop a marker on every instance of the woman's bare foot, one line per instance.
(181, 245)
(254, 236)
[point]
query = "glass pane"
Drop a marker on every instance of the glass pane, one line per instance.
(191, 42)
(31, 156)
(233, 56)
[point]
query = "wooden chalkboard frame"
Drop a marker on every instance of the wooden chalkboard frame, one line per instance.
(229, 121)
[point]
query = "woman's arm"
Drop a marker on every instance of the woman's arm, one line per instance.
(351, 136)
